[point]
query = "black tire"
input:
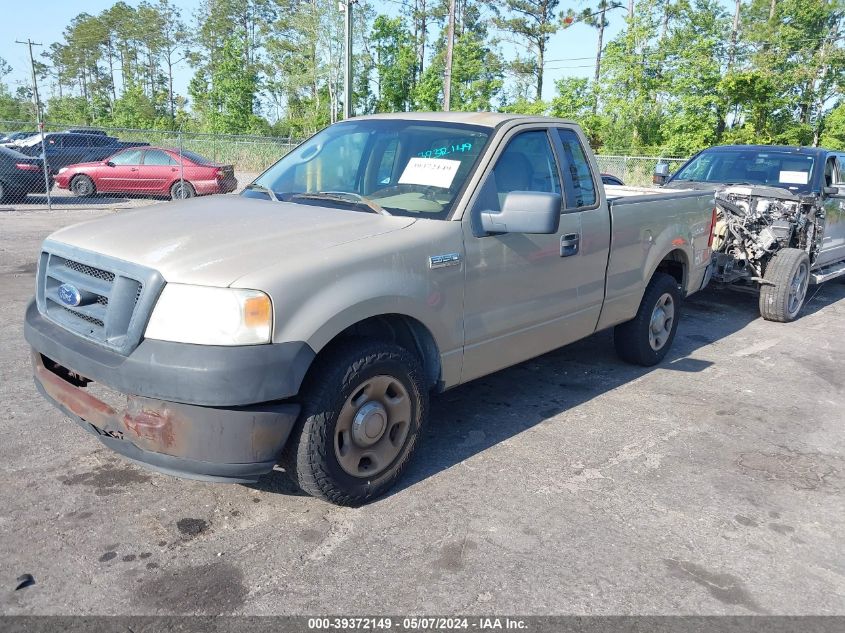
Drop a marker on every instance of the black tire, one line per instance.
(83, 186)
(310, 455)
(182, 190)
(635, 340)
(788, 274)
(5, 194)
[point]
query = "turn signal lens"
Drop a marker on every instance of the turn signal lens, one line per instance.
(257, 311)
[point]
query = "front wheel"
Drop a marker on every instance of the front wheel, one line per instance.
(82, 186)
(645, 339)
(363, 407)
(785, 285)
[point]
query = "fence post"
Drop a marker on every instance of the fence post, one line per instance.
(181, 164)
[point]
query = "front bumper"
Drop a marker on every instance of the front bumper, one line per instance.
(218, 442)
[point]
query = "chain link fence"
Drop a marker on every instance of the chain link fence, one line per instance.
(123, 171)
(135, 174)
(636, 170)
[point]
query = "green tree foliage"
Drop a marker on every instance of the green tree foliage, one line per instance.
(395, 53)
(530, 23)
(477, 66)
(679, 75)
(833, 134)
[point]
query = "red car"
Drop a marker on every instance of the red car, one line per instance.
(149, 171)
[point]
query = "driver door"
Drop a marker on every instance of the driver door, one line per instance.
(528, 294)
(833, 243)
(123, 176)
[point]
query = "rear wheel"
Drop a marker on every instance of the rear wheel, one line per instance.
(4, 193)
(645, 339)
(786, 279)
(363, 408)
(83, 186)
(181, 190)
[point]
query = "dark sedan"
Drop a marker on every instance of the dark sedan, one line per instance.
(69, 148)
(20, 175)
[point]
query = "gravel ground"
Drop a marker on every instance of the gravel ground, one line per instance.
(570, 484)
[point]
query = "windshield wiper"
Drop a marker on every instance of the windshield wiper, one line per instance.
(256, 187)
(346, 197)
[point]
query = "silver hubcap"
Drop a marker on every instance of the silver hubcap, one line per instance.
(798, 289)
(661, 321)
(372, 427)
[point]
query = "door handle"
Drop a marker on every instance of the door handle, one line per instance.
(133, 169)
(569, 244)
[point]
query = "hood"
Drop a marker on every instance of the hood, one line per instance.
(214, 241)
(95, 163)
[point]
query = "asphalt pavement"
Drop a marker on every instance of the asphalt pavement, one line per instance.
(570, 484)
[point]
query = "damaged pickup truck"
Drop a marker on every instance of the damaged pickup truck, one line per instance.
(781, 219)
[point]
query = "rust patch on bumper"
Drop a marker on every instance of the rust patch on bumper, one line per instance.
(211, 435)
(73, 398)
(152, 425)
(147, 423)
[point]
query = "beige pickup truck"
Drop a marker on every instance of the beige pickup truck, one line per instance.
(306, 321)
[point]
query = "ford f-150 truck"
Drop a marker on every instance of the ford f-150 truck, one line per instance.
(306, 322)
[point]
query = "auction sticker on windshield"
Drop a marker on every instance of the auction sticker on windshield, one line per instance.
(432, 172)
(794, 177)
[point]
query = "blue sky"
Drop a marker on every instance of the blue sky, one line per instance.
(571, 52)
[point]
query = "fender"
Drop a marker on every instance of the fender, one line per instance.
(350, 299)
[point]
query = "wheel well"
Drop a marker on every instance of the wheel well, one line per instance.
(186, 181)
(675, 264)
(402, 330)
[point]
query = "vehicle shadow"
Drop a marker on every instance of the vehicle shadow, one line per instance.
(471, 418)
(85, 201)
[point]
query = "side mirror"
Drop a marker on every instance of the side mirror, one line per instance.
(108, 163)
(833, 192)
(525, 212)
(661, 174)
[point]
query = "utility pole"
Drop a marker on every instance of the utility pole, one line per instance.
(30, 44)
(450, 44)
(347, 66)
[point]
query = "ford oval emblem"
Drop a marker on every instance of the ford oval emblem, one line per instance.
(70, 295)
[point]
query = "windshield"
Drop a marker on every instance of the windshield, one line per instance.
(30, 141)
(784, 169)
(410, 168)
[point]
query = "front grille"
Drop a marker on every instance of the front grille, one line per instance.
(90, 271)
(114, 305)
(85, 317)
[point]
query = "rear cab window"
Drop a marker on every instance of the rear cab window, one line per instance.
(577, 175)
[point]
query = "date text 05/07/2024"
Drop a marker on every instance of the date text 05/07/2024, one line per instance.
(389, 624)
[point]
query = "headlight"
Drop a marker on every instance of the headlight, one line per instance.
(62, 170)
(211, 316)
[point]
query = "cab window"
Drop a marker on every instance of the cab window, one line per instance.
(576, 171)
(527, 164)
